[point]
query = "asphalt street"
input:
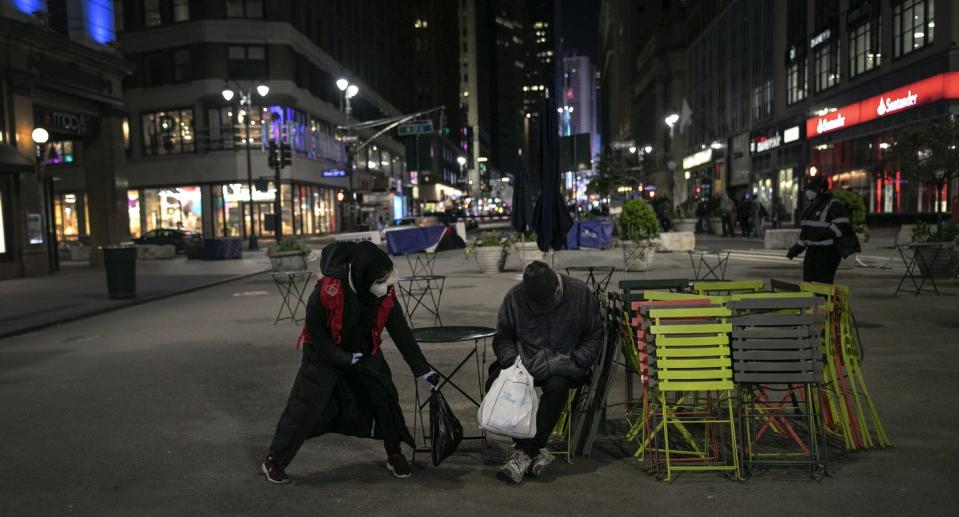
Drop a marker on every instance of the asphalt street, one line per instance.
(166, 408)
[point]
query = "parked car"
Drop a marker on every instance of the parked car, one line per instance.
(178, 238)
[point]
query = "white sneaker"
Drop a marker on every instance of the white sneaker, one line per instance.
(540, 462)
(515, 468)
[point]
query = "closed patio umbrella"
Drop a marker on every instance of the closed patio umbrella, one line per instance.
(551, 219)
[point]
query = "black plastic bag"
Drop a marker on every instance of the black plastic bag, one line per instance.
(446, 432)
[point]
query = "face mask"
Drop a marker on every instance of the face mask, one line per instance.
(810, 195)
(380, 290)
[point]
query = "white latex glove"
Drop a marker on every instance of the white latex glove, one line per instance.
(356, 358)
(431, 379)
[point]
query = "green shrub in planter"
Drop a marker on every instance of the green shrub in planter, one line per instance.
(856, 207)
(638, 222)
(287, 245)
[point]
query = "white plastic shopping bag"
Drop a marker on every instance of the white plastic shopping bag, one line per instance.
(509, 408)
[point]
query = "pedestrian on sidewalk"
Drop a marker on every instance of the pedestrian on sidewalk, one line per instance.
(728, 209)
(743, 212)
(779, 213)
(827, 235)
(758, 217)
(344, 384)
(551, 322)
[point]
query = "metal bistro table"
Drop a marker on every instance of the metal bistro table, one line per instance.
(919, 266)
(422, 291)
(452, 334)
(704, 269)
(597, 277)
(292, 291)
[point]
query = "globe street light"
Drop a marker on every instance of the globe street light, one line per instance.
(246, 99)
(648, 149)
(349, 91)
(632, 149)
(671, 120)
(41, 136)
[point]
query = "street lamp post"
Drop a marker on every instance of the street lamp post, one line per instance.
(41, 136)
(348, 92)
(246, 99)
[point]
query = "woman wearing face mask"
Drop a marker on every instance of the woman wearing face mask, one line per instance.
(827, 234)
(344, 384)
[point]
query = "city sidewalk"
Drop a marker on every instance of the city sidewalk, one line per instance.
(79, 291)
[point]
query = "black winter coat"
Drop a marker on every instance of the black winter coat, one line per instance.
(562, 342)
(329, 394)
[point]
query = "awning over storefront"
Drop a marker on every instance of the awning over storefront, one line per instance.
(11, 161)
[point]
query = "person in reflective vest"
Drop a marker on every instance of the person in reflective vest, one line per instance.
(827, 235)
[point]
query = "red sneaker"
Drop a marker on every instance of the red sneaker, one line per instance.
(272, 471)
(398, 466)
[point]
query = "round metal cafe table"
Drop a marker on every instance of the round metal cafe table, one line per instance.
(450, 334)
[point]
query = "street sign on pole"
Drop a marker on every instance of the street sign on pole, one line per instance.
(349, 138)
(620, 145)
(424, 127)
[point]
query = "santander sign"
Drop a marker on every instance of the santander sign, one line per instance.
(932, 89)
(889, 105)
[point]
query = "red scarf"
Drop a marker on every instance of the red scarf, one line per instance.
(331, 296)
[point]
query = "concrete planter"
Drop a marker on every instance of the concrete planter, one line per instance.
(491, 259)
(155, 251)
(945, 265)
(527, 252)
(781, 239)
(676, 241)
(716, 225)
(288, 261)
(684, 225)
(638, 256)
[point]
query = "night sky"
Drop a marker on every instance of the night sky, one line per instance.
(580, 26)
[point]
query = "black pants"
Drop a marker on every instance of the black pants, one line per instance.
(311, 408)
(551, 403)
(728, 228)
(820, 264)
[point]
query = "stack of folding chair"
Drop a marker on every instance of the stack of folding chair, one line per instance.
(643, 359)
(728, 288)
(693, 409)
(777, 365)
(847, 409)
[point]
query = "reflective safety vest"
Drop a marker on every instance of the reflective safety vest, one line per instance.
(823, 223)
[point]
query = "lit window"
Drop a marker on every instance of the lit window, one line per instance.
(826, 66)
(181, 10)
(244, 8)
(58, 152)
(151, 13)
(913, 25)
(864, 47)
(168, 132)
(796, 84)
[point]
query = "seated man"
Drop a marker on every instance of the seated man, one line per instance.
(553, 323)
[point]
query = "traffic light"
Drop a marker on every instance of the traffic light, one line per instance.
(341, 196)
(286, 155)
(273, 156)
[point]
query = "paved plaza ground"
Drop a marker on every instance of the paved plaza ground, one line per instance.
(166, 408)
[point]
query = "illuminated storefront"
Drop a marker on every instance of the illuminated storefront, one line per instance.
(843, 148)
(777, 158)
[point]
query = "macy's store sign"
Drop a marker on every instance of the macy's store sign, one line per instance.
(926, 91)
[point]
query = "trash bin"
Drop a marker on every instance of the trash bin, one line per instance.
(121, 266)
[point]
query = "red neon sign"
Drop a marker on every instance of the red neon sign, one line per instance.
(932, 89)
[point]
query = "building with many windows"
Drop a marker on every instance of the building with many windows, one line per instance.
(60, 76)
(187, 165)
(780, 91)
